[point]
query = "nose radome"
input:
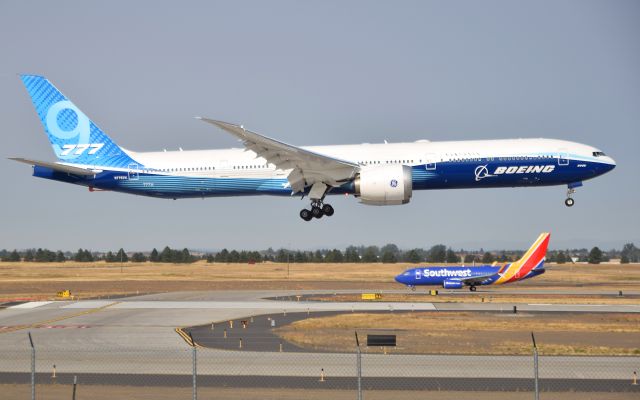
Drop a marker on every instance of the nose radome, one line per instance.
(611, 164)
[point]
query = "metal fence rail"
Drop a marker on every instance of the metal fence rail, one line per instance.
(190, 370)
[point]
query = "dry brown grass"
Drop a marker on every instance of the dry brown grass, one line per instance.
(110, 392)
(100, 278)
(472, 333)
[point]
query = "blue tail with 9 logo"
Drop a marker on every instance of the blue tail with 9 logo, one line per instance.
(73, 136)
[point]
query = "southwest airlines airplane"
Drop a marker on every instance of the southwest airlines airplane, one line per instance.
(530, 265)
(377, 174)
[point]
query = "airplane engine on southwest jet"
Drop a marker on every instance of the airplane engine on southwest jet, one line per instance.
(452, 284)
(384, 186)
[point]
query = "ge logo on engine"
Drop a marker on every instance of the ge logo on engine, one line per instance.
(394, 183)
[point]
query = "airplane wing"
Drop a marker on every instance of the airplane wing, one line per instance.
(58, 167)
(307, 167)
(476, 280)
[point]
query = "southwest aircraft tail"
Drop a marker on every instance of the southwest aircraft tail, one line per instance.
(73, 136)
(532, 260)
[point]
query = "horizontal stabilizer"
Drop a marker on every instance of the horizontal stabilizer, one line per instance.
(58, 167)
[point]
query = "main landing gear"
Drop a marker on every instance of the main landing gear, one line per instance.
(318, 210)
(472, 288)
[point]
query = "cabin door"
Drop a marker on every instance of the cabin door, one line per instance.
(133, 172)
(430, 162)
(562, 157)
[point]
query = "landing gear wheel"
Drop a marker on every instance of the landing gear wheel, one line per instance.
(305, 214)
(317, 212)
(569, 202)
(413, 288)
(327, 210)
(472, 288)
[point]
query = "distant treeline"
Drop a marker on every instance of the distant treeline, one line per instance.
(389, 253)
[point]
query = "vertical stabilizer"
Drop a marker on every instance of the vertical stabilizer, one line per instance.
(73, 136)
(531, 260)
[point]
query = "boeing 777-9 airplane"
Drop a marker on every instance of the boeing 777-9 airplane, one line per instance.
(377, 174)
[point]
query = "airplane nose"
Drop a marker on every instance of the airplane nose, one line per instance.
(611, 164)
(398, 278)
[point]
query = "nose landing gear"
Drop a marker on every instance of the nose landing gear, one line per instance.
(571, 189)
(569, 200)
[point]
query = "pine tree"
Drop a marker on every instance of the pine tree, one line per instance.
(122, 256)
(388, 257)
(14, 256)
(488, 258)
(28, 255)
(437, 254)
(234, 257)
(452, 257)
(351, 255)
(165, 255)
(222, 256)
(413, 256)
(595, 256)
(154, 257)
(370, 254)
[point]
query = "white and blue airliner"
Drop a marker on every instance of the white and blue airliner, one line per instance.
(377, 174)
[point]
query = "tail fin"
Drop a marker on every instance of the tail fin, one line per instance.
(73, 136)
(531, 260)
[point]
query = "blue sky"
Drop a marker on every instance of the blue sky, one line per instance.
(313, 73)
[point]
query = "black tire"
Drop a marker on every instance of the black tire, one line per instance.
(316, 212)
(569, 202)
(305, 214)
(328, 210)
(472, 288)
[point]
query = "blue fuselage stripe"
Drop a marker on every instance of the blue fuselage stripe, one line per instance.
(479, 173)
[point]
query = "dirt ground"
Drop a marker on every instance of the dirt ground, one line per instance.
(60, 392)
(474, 333)
(43, 280)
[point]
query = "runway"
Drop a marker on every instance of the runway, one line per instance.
(137, 336)
(149, 321)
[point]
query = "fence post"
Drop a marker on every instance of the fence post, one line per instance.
(194, 356)
(33, 368)
(535, 368)
(359, 367)
(75, 383)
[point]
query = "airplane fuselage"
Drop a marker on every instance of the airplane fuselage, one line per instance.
(434, 165)
(448, 277)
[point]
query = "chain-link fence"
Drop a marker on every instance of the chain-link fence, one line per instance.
(192, 372)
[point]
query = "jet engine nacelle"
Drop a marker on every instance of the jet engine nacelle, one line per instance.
(451, 284)
(384, 186)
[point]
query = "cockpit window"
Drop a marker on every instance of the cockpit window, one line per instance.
(598, 153)
(406, 273)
